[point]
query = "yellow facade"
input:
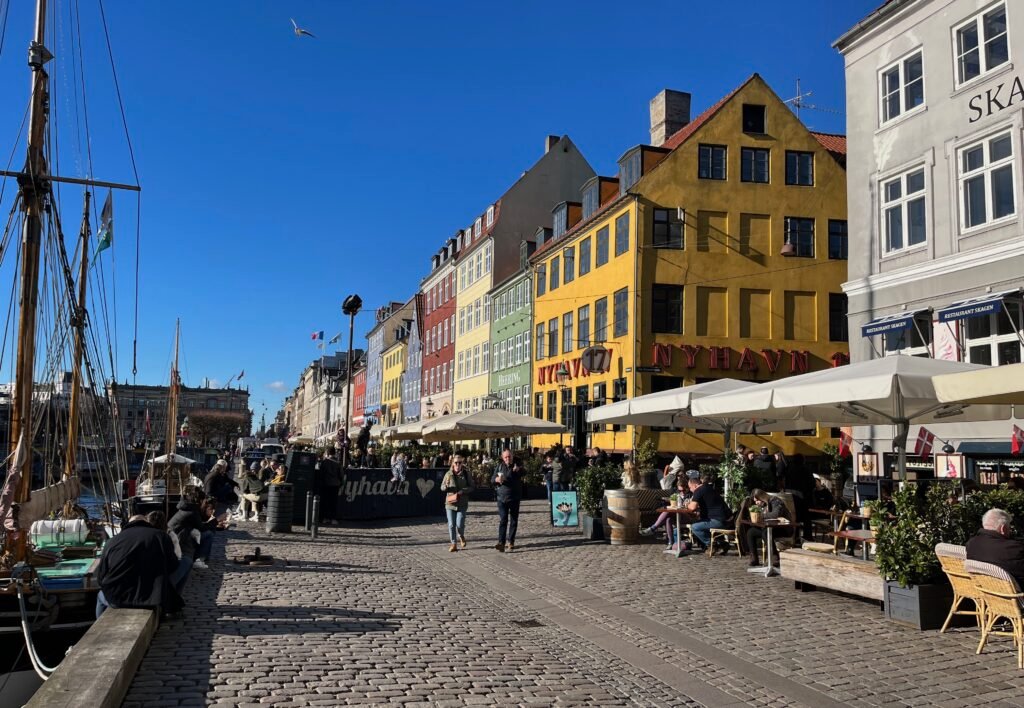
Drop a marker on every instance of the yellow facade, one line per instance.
(473, 328)
(746, 311)
(393, 360)
(595, 283)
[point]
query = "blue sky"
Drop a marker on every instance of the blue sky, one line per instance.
(280, 174)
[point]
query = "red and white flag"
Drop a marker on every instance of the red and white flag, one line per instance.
(845, 442)
(1017, 441)
(925, 438)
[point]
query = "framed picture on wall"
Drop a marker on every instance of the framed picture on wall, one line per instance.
(865, 468)
(949, 466)
(564, 509)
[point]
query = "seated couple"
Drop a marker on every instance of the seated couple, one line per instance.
(706, 502)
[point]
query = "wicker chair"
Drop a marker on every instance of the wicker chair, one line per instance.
(952, 559)
(1002, 600)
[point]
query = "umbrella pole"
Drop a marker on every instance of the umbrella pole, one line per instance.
(727, 435)
(902, 431)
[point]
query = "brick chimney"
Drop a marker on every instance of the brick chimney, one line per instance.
(549, 142)
(670, 111)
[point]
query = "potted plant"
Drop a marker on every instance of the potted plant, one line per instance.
(916, 590)
(645, 457)
(590, 485)
(874, 510)
(756, 513)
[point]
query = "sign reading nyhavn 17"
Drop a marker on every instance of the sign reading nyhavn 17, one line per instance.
(726, 358)
(993, 99)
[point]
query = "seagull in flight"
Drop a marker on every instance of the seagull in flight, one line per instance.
(299, 31)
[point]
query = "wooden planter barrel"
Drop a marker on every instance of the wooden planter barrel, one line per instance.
(623, 516)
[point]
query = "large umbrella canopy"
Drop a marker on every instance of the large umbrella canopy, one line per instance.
(672, 408)
(490, 423)
(173, 459)
(998, 385)
(407, 431)
(894, 390)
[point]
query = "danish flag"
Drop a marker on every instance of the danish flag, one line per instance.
(925, 438)
(1017, 441)
(845, 441)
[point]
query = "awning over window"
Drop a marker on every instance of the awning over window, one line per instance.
(891, 323)
(976, 307)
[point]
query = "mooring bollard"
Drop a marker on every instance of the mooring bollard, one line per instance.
(309, 509)
(315, 527)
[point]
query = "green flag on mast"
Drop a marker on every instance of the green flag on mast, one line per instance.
(106, 235)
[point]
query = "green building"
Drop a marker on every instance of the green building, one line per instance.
(511, 317)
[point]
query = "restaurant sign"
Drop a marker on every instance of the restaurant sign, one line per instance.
(575, 368)
(727, 358)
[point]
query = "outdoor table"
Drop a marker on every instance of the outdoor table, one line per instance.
(768, 525)
(833, 514)
(676, 511)
(864, 537)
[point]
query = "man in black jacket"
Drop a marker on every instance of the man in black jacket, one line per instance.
(136, 568)
(508, 490)
(994, 544)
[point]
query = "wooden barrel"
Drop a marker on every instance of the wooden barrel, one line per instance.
(623, 516)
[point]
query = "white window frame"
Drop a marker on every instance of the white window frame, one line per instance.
(900, 66)
(986, 171)
(484, 362)
(994, 339)
(478, 226)
(490, 215)
(462, 366)
(903, 203)
(976, 20)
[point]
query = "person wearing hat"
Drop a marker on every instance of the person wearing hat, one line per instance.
(708, 502)
(672, 470)
(254, 492)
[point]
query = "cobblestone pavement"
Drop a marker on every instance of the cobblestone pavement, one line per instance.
(384, 614)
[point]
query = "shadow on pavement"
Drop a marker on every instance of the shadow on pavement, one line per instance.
(270, 619)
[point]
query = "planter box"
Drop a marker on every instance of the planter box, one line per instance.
(919, 606)
(593, 529)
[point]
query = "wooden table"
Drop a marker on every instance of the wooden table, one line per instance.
(864, 537)
(676, 511)
(768, 525)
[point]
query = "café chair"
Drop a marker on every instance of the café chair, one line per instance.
(833, 547)
(1002, 600)
(952, 558)
(725, 535)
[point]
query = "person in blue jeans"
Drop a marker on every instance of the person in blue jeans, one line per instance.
(508, 490)
(706, 500)
(456, 482)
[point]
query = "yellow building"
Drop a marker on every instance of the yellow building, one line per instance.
(393, 360)
(719, 253)
(473, 322)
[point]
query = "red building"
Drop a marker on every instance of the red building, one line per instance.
(358, 398)
(438, 344)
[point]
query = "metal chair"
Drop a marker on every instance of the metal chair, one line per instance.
(1002, 600)
(952, 558)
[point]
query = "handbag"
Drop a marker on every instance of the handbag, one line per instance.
(451, 498)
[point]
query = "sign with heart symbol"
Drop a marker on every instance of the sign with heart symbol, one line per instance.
(424, 485)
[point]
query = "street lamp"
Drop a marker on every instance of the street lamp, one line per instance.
(351, 306)
(562, 377)
(429, 405)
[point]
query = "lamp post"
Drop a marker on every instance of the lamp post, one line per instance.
(350, 307)
(562, 377)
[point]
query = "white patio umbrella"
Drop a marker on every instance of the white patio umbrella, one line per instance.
(406, 431)
(893, 390)
(1000, 385)
(174, 459)
(489, 423)
(673, 409)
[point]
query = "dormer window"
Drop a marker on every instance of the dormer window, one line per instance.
(591, 198)
(490, 215)
(561, 215)
(478, 226)
(469, 237)
(629, 171)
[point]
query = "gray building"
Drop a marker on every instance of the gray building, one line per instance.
(390, 323)
(411, 384)
(934, 174)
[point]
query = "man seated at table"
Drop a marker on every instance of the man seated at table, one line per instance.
(773, 508)
(994, 544)
(713, 510)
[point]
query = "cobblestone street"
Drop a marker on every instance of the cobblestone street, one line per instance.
(384, 614)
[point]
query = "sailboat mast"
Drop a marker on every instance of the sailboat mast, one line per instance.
(78, 322)
(172, 422)
(34, 187)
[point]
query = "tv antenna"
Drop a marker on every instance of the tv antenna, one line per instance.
(799, 102)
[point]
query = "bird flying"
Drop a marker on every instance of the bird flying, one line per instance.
(299, 31)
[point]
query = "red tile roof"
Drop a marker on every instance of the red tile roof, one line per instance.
(680, 136)
(833, 142)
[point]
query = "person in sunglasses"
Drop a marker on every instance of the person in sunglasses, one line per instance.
(456, 487)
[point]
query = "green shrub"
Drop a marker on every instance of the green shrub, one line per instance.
(591, 483)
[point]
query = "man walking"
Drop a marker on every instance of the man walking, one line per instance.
(330, 484)
(508, 489)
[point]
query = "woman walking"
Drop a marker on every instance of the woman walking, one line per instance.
(456, 487)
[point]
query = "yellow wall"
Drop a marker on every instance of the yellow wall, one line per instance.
(470, 388)
(391, 391)
(601, 282)
(738, 292)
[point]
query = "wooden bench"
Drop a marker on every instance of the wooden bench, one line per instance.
(101, 666)
(810, 570)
